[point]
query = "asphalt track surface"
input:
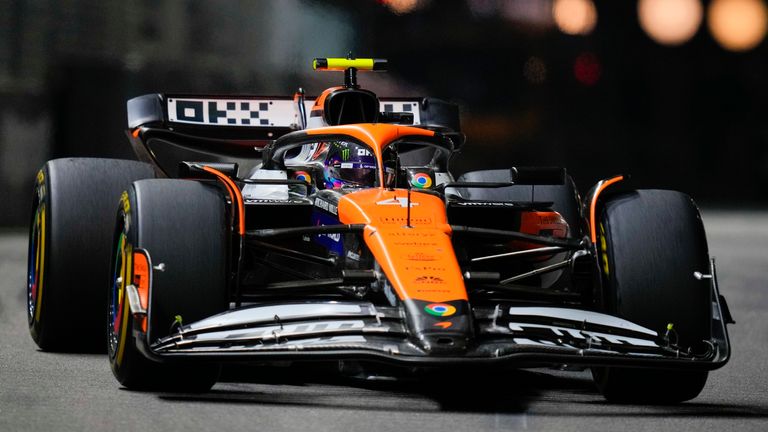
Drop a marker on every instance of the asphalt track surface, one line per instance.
(61, 392)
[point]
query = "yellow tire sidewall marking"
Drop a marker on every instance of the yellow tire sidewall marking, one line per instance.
(126, 273)
(41, 260)
(604, 252)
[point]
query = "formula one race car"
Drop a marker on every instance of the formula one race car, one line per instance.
(261, 229)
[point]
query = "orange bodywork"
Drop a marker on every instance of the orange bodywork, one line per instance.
(419, 259)
(141, 282)
(319, 105)
(234, 194)
(600, 188)
(541, 223)
(546, 223)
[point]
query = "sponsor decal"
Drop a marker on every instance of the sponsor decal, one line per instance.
(431, 280)
(549, 220)
(333, 241)
(255, 112)
(440, 309)
(389, 220)
(303, 176)
(444, 324)
(230, 112)
(419, 256)
(345, 155)
(399, 201)
(415, 244)
(126, 202)
(272, 201)
(410, 233)
(421, 181)
(483, 204)
(333, 236)
(432, 291)
(425, 268)
(574, 338)
(325, 205)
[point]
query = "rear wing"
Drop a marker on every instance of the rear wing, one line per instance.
(165, 129)
(255, 115)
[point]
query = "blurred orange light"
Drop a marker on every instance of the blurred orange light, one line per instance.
(670, 22)
(738, 25)
(575, 17)
(401, 7)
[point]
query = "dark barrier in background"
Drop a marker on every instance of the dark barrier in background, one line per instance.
(87, 109)
(24, 146)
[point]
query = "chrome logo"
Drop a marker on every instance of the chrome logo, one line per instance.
(440, 309)
(304, 176)
(421, 181)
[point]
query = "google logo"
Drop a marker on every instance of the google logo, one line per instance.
(440, 309)
(421, 181)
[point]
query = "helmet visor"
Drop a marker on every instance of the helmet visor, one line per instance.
(360, 176)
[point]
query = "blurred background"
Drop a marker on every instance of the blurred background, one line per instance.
(674, 92)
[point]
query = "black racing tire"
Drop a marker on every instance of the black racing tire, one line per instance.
(650, 243)
(564, 198)
(70, 237)
(182, 225)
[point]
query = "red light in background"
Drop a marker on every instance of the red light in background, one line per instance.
(587, 69)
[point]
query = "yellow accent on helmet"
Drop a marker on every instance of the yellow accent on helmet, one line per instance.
(340, 64)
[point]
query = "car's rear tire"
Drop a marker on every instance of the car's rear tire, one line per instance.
(650, 243)
(182, 226)
(69, 239)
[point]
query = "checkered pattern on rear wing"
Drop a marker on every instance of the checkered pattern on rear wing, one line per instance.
(259, 112)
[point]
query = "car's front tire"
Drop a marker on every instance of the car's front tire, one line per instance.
(650, 244)
(182, 226)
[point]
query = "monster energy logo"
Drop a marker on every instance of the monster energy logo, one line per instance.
(345, 153)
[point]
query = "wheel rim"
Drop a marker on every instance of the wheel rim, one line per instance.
(117, 306)
(36, 262)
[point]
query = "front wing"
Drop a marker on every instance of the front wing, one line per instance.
(519, 336)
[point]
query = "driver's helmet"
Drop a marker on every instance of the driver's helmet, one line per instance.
(349, 165)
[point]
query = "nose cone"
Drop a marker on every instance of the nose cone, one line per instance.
(440, 328)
